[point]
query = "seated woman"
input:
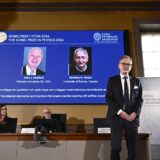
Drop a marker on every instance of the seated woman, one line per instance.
(7, 124)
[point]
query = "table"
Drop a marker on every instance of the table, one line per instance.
(66, 146)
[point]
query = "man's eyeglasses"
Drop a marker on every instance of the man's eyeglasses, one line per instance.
(126, 64)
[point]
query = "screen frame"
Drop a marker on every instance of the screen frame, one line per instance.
(126, 42)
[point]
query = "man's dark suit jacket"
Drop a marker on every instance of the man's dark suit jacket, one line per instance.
(38, 72)
(115, 100)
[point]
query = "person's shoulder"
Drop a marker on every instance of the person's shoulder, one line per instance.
(8, 119)
(24, 70)
(134, 78)
(88, 71)
(40, 72)
(72, 70)
(24, 67)
(114, 77)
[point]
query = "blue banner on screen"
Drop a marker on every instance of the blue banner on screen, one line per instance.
(58, 67)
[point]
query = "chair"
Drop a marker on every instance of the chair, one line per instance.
(13, 125)
(62, 120)
(100, 123)
(9, 126)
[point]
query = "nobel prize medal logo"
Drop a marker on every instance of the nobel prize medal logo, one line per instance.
(3, 37)
(97, 36)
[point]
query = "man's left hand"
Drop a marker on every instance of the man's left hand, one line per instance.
(132, 116)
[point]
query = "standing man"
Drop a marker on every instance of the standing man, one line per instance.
(35, 57)
(124, 99)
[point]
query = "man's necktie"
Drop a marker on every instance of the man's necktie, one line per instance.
(126, 95)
